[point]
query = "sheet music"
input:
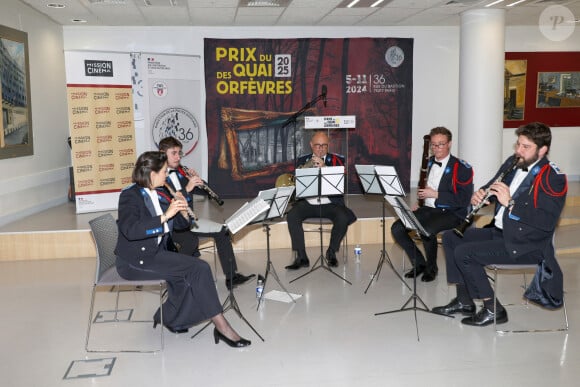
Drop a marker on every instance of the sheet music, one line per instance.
(267, 196)
(389, 180)
(306, 182)
(368, 178)
(246, 214)
(405, 214)
(332, 181)
(281, 200)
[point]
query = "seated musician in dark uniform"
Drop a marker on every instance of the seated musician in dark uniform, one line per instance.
(187, 181)
(145, 251)
(331, 207)
(446, 199)
(528, 201)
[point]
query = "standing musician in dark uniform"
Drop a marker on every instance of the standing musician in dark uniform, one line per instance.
(331, 207)
(188, 183)
(528, 204)
(145, 251)
(446, 196)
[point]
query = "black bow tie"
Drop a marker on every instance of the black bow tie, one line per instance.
(524, 169)
(438, 163)
(174, 171)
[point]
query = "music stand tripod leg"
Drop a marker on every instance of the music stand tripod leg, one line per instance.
(270, 268)
(414, 297)
(385, 257)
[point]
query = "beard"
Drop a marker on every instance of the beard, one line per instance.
(525, 163)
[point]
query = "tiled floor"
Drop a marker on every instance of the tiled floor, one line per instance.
(330, 337)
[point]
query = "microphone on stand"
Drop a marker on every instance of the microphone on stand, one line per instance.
(324, 95)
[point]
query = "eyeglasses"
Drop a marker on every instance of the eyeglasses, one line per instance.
(439, 145)
(320, 145)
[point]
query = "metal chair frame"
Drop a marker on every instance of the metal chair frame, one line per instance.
(104, 231)
(496, 268)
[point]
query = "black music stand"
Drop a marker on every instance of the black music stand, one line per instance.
(411, 222)
(278, 199)
(372, 183)
(243, 216)
(316, 183)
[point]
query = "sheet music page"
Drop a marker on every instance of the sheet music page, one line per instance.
(306, 182)
(246, 214)
(368, 178)
(278, 208)
(268, 196)
(389, 180)
(405, 214)
(332, 181)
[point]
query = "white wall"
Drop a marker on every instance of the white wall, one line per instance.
(32, 183)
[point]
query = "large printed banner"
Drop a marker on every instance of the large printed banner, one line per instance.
(101, 126)
(258, 92)
(172, 106)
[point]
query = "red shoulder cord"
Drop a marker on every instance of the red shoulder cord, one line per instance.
(543, 181)
(456, 181)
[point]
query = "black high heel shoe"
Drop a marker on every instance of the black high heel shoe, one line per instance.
(217, 336)
(172, 330)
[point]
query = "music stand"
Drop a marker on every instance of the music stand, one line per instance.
(243, 216)
(372, 183)
(278, 199)
(319, 182)
(411, 222)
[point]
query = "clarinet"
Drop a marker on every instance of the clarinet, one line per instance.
(459, 230)
(188, 213)
(210, 193)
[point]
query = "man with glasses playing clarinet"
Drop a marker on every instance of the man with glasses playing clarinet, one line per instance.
(186, 181)
(446, 198)
(331, 207)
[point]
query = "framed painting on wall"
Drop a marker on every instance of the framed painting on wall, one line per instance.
(514, 94)
(16, 123)
(558, 89)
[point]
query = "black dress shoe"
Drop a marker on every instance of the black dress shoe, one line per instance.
(485, 317)
(170, 329)
(238, 279)
(455, 306)
(331, 258)
(217, 336)
(429, 274)
(411, 273)
(298, 263)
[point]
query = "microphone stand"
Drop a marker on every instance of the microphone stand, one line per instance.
(294, 117)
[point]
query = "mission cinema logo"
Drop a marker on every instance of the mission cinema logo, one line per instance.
(98, 68)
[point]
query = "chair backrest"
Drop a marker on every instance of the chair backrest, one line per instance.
(105, 234)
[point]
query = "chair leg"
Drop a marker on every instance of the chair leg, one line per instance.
(90, 319)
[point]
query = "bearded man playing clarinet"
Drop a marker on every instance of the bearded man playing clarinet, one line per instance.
(528, 203)
(446, 199)
(186, 181)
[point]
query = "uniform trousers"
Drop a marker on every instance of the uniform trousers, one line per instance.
(434, 220)
(189, 243)
(191, 293)
(467, 258)
(338, 214)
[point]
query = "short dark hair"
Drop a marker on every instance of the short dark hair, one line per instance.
(538, 132)
(147, 162)
(168, 143)
(441, 130)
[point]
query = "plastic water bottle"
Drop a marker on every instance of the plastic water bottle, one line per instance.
(357, 253)
(259, 288)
